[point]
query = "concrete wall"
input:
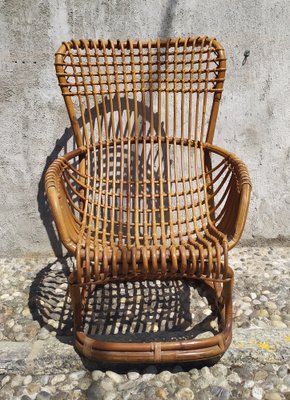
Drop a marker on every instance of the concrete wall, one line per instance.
(254, 119)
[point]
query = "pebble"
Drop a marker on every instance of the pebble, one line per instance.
(57, 379)
(182, 379)
(184, 394)
(234, 378)
(272, 396)
(96, 375)
(94, 392)
(161, 393)
(76, 376)
(177, 369)
(271, 305)
(219, 370)
(43, 334)
(282, 371)
(257, 392)
(43, 396)
(27, 380)
(151, 369)
(110, 396)
(107, 384)
(132, 375)
(220, 393)
(278, 324)
(16, 381)
(114, 376)
(261, 375)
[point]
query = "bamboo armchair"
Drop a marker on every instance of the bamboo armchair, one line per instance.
(146, 195)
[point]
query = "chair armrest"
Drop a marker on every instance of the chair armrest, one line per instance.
(235, 208)
(57, 199)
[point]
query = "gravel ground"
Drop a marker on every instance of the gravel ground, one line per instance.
(38, 361)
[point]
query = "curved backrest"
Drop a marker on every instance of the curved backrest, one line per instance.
(128, 89)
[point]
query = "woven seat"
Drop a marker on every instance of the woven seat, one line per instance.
(146, 195)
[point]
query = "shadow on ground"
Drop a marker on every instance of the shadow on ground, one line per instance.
(126, 312)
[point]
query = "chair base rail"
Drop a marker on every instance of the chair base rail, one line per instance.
(155, 352)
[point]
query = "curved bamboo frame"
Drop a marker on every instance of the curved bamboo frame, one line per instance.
(146, 195)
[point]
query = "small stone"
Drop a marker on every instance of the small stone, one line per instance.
(151, 369)
(194, 373)
(165, 376)
(57, 379)
(220, 392)
(234, 378)
(33, 388)
(17, 328)
(185, 394)
(27, 380)
(114, 376)
(44, 380)
(177, 369)
(282, 371)
(219, 370)
(96, 375)
(26, 312)
(84, 383)
(262, 313)
(94, 392)
(249, 384)
(25, 397)
(278, 324)
(43, 334)
(182, 379)
(132, 375)
(261, 375)
(43, 395)
(271, 306)
(257, 392)
(16, 381)
(160, 393)
(272, 396)
(107, 384)
(76, 376)
(110, 396)
(253, 296)
(275, 317)
(286, 381)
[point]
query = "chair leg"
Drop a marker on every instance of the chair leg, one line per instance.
(155, 352)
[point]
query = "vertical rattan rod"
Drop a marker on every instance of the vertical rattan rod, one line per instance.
(145, 205)
(128, 144)
(168, 169)
(162, 219)
(136, 174)
(152, 146)
(174, 140)
(217, 96)
(182, 138)
(113, 127)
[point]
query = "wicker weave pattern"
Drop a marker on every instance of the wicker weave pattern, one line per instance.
(146, 195)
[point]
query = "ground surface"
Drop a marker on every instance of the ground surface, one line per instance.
(38, 361)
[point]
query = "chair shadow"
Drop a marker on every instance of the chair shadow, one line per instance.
(144, 311)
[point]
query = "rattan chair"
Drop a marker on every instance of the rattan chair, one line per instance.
(146, 195)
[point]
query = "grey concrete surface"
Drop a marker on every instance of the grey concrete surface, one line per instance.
(34, 127)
